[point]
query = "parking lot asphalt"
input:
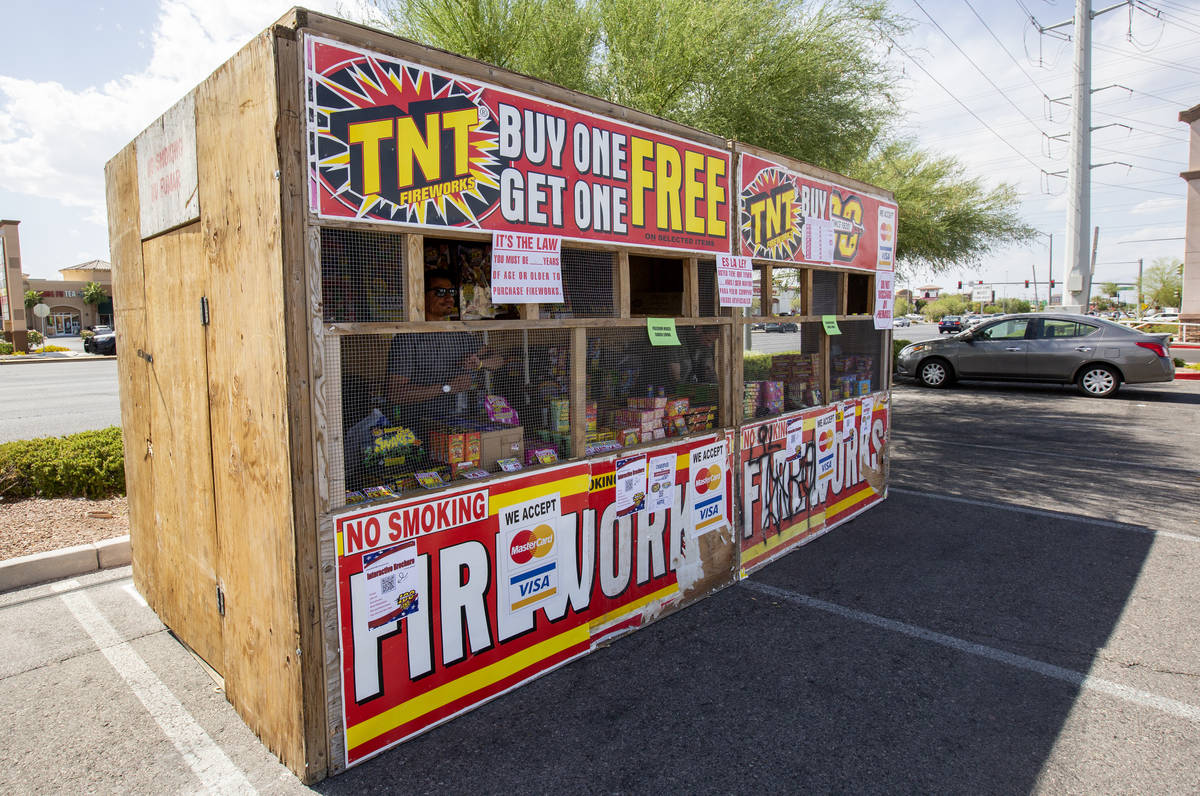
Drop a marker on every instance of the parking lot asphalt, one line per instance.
(1017, 617)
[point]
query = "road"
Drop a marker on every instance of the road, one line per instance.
(47, 399)
(1017, 616)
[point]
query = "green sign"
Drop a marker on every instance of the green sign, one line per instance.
(662, 331)
(830, 323)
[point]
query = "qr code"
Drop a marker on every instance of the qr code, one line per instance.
(388, 582)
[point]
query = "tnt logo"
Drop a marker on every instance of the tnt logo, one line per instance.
(708, 479)
(528, 545)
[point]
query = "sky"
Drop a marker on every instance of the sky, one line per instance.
(78, 82)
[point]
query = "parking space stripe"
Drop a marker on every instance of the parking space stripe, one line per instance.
(1078, 679)
(210, 764)
(1057, 515)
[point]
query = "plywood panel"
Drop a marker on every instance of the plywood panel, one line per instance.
(133, 373)
(181, 473)
(302, 313)
(236, 127)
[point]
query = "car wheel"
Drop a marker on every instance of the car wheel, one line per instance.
(1098, 381)
(935, 372)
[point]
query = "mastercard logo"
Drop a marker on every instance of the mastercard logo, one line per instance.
(708, 478)
(528, 545)
(825, 440)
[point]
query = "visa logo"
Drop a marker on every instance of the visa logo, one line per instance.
(534, 586)
(708, 511)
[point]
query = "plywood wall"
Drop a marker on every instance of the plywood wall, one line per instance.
(236, 128)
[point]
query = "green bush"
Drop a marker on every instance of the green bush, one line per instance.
(756, 367)
(90, 464)
(34, 337)
(5, 347)
(86, 334)
(896, 346)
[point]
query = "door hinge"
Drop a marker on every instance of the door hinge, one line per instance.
(204, 310)
(220, 601)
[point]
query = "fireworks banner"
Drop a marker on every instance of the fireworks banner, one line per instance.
(395, 142)
(794, 218)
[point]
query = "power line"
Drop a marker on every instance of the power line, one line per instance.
(971, 61)
(1011, 57)
(964, 107)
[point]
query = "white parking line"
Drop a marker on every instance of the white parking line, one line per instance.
(1077, 679)
(1056, 515)
(1016, 453)
(210, 764)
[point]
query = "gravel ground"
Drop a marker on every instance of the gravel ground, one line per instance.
(35, 526)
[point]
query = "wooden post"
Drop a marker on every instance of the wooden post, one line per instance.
(691, 288)
(414, 277)
(723, 362)
(825, 365)
(621, 284)
(843, 292)
(578, 391)
(529, 312)
(767, 290)
(806, 292)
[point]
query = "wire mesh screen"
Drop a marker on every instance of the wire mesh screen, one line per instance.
(587, 286)
(786, 380)
(640, 393)
(756, 306)
(826, 298)
(422, 409)
(854, 360)
(706, 277)
(362, 276)
(787, 289)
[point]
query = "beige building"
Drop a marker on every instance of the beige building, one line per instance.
(64, 296)
(1189, 310)
(12, 294)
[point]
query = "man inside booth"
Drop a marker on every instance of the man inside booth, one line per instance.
(430, 376)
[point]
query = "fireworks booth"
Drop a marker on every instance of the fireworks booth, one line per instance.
(433, 376)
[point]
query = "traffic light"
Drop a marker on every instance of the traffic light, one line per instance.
(960, 284)
(1051, 283)
(1026, 284)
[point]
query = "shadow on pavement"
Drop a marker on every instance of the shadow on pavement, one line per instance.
(747, 693)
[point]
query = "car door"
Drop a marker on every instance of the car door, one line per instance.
(1061, 346)
(996, 349)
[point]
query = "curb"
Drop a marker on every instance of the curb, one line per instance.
(32, 358)
(1192, 376)
(16, 573)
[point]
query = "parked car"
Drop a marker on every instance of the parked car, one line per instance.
(950, 324)
(901, 321)
(105, 344)
(788, 326)
(1160, 317)
(89, 345)
(1095, 354)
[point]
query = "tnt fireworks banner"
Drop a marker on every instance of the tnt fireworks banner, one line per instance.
(787, 499)
(395, 142)
(450, 599)
(794, 218)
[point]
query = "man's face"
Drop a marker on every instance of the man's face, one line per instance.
(437, 306)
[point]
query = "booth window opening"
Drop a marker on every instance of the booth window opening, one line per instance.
(787, 380)
(362, 276)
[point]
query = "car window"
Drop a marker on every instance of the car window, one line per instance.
(1012, 329)
(1058, 329)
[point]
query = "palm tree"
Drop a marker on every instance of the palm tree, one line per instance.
(32, 299)
(93, 293)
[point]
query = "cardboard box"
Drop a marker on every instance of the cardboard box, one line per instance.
(455, 447)
(508, 443)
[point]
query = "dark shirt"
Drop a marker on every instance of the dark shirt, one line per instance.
(435, 358)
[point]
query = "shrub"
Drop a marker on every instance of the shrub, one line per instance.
(90, 464)
(34, 337)
(756, 367)
(55, 348)
(86, 334)
(5, 347)
(896, 346)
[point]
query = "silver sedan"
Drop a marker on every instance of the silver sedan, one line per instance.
(1095, 354)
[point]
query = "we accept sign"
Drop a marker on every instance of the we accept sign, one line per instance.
(392, 141)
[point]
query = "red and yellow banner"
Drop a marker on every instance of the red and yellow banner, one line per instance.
(395, 142)
(791, 217)
(785, 502)
(511, 578)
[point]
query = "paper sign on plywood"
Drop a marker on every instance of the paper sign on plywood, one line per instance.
(166, 164)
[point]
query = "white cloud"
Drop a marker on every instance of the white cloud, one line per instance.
(1160, 206)
(54, 141)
